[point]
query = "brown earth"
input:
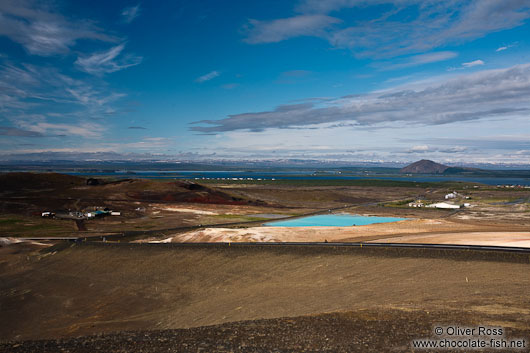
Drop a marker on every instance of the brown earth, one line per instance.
(296, 298)
(89, 288)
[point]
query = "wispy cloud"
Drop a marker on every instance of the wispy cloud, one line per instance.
(207, 77)
(27, 86)
(285, 28)
(83, 129)
(492, 93)
(416, 60)
(13, 131)
(130, 13)
(437, 23)
(473, 63)
(44, 32)
(28, 90)
(44, 98)
(107, 61)
(137, 128)
(230, 85)
(505, 47)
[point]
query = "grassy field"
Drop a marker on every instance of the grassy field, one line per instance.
(20, 226)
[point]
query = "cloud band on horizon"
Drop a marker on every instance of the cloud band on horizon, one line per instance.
(491, 93)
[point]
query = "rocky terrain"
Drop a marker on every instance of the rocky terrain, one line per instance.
(358, 331)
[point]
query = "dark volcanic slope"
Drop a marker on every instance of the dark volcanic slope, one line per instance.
(424, 166)
(93, 288)
(360, 331)
(18, 183)
(31, 193)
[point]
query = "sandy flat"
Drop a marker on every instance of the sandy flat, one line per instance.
(409, 231)
(521, 239)
(294, 234)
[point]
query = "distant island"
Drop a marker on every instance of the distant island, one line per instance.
(426, 166)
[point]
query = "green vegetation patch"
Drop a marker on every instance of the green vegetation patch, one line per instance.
(400, 203)
(32, 227)
(9, 221)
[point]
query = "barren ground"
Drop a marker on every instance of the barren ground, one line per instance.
(164, 296)
(158, 207)
(87, 289)
(442, 231)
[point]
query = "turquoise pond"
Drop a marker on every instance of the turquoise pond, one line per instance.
(332, 220)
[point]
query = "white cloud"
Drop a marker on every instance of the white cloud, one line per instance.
(420, 148)
(107, 61)
(473, 63)
(207, 77)
(501, 49)
(130, 13)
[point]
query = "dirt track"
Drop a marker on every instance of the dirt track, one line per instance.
(88, 289)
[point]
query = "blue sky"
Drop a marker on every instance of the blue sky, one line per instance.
(345, 80)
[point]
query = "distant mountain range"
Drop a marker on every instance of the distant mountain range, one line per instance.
(105, 163)
(138, 160)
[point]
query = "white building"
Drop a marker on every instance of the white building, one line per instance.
(443, 205)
